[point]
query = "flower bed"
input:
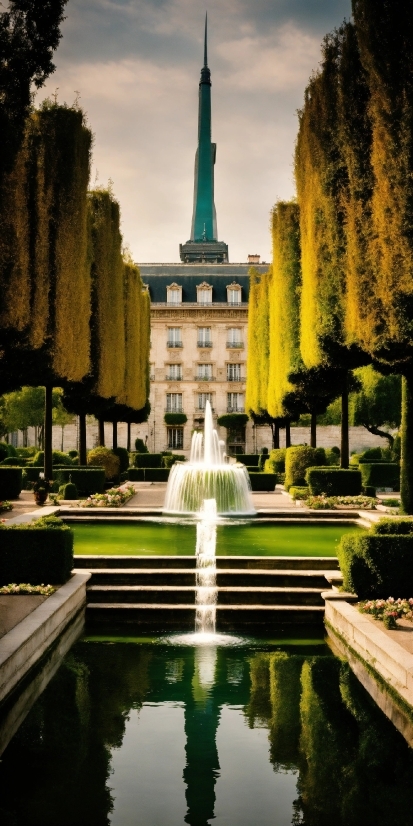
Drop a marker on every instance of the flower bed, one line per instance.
(5, 506)
(332, 502)
(113, 498)
(388, 610)
(26, 588)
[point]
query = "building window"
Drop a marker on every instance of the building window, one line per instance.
(204, 293)
(235, 402)
(234, 337)
(204, 372)
(203, 398)
(233, 372)
(174, 294)
(152, 372)
(174, 372)
(174, 402)
(234, 294)
(174, 337)
(175, 438)
(204, 337)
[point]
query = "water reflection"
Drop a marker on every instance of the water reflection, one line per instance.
(140, 735)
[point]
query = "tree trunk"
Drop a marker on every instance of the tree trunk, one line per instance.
(288, 435)
(82, 439)
(63, 435)
(345, 449)
(101, 425)
(275, 436)
(25, 437)
(48, 433)
(313, 434)
(406, 468)
(129, 437)
(115, 436)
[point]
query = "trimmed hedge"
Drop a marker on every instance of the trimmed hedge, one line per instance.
(251, 459)
(149, 474)
(381, 475)
(153, 460)
(39, 552)
(396, 527)
(31, 474)
(299, 492)
(333, 481)
(376, 566)
(11, 482)
(297, 460)
(13, 461)
(275, 463)
(263, 481)
(87, 480)
(58, 458)
(69, 491)
(123, 457)
(169, 459)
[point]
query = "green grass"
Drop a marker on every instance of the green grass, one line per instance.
(147, 539)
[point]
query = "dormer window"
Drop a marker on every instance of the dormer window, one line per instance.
(174, 294)
(234, 293)
(204, 293)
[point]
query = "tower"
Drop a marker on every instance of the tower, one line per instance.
(203, 244)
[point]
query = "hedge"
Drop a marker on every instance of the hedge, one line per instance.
(299, 492)
(401, 527)
(13, 461)
(251, 459)
(333, 481)
(31, 474)
(297, 460)
(39, 552)
(169, 459)
(87, 480)
(263, 481)
(275, 463)
(175, 418)
(150, 474)
(11, 482)
(153, 460)
(123, 457)
(377, 566)
(381, 475)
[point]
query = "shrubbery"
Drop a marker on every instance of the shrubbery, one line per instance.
(68, 491)
(103, 457)
(140, 446)
(148, 460)
(263, 481)
(333, 481)
(297, 460)
(87, 480)
(36, 552)
(251, 459)
(149, 474)
(169, 459)
(123, 456)
(276, 461)
(299, 492)
(381, 475)
(58, 458)
(376, 565)
(11, 482)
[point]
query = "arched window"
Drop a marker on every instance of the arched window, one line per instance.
(204, 293)
(234, 293)
(174, 294)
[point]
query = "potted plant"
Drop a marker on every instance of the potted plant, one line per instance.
(41, 489)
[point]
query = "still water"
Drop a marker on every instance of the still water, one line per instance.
(139, 732)
(175, 539)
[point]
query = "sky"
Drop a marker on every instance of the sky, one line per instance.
(135, 66)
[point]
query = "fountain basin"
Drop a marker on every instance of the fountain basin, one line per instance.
(190, 484)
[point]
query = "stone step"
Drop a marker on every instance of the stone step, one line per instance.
(290, 563)
(161, 617)
(152, 594)
(231, 577)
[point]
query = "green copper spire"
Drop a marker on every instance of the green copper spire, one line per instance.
(204, 222)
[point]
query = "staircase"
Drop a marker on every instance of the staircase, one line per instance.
(158, 593)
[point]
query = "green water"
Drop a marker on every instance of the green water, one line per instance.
(169, 539)
(153, 734)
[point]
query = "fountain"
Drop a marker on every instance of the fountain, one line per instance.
(206, 591)
(208, 476)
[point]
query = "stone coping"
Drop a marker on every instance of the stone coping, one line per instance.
(26, 643)
(379, 652)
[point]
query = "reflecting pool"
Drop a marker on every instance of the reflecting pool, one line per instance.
(144, 732)
(176, 539)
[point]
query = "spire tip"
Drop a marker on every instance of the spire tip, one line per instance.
(205, 41)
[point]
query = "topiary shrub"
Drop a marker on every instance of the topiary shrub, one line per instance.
(377, 565)
(149, 474)
(169, 459)
(123, 455)
(333, 481)
(175, 418)
(4, 451)
(375, 454)
(297, 460)
(13, 461)
(26, 452)
(68, 491)
(73, 454)
(232, 421)
(399, 527)
(11, 482)
(276, 461)
(263, 458)
(251, 459)
(58, 458)
(368, 490)
(333, 458)
(263, 481)
(148, 460)
(140, 446)
(36, 552)
(301, 492)
(103, 457)
(381, 475)
(87, 480)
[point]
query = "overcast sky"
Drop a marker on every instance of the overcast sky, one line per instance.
(136, 66)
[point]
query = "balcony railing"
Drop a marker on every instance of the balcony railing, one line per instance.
(205, 378)
(204, 344)
(173, 378)
(200, 411)
(174, 344)
(238, 344)
(174, 409)
(235, 378)
(236, 409)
